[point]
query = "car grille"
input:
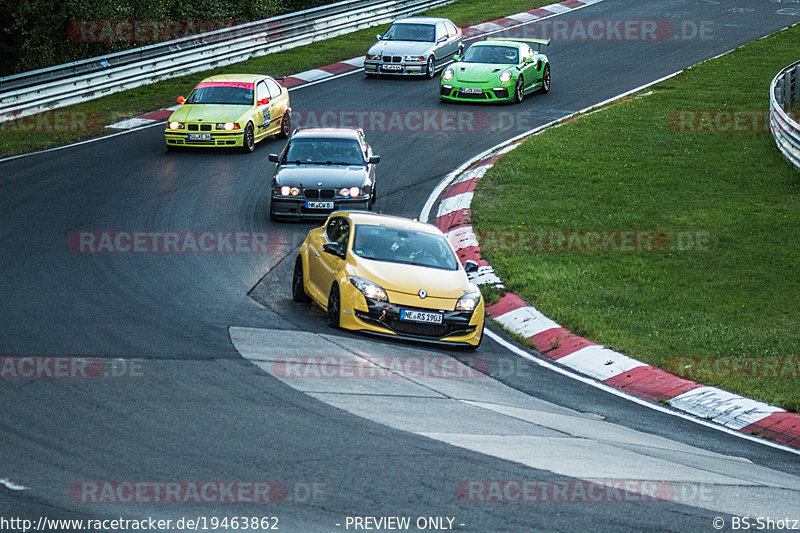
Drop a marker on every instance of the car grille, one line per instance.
(456, 323)
(317, 194)
(392, 59)
(200, 127)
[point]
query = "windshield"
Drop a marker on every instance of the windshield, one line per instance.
(410, 32)
(506, 55)
(221, 95)
(397, 245)
(324, 152)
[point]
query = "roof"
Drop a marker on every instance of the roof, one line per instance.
(243, 78)
(327, 133)
(420, 20)
(369, 218)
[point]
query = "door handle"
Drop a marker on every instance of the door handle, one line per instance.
(316, 253)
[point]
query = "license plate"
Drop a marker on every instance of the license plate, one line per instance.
(392, 67)
(471, 90)
(319, 205)
(199, 136)
(421, 316)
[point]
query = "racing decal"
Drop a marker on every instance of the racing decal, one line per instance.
(241, 85)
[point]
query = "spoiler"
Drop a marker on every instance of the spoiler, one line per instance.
(538, 42)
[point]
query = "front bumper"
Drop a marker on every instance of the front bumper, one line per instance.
(294, 207)
(489, 94)
(404, 68)
(180, 138)
(382, 318)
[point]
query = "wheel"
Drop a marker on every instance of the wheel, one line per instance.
(460, 52)
(249, 141)
(374, 196)
(519, 90)
(286, 126)
(430, 68)
(334, 307)
(298, 292)
(545, 80)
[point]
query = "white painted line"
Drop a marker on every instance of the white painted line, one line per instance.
(523, 17)
(726, 408)
(485, 276)
(131, 123)
(462, 237)
(356, 61)
(526, 321)
(558, 8)
(312, 75)
(475, 173)
(599, 363)
(11, 485)
(631, 398)
(454, 203)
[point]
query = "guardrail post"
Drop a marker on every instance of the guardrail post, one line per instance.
(785, 130)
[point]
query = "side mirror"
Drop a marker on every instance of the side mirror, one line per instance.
(374, 159)
(333, 248)
(181, 99)
(263, 101)
(273, 157)
(441, 39)
(470, 266)
(528, 60)
(456, 57)
(378, 36)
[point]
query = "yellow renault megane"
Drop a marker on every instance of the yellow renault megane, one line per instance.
(390, 276)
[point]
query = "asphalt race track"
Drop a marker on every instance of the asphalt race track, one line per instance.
(192, 335)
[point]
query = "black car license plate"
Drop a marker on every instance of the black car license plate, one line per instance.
(421, 316)
(319, 205)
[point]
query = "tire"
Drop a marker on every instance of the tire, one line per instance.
(430, 68)
(334, 306)
(460, 52)
(545, 80)
(374, 197)
(298, 292)
(286, 126)
(519, 90)
(249, 139)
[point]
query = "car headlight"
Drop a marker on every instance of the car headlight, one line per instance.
(349, 192)
(373, 56)
(176, 125)
(289, 191)
(368, 289)
(505, 77)
(227, 126)
(414, 58)
(468, 302)
(448, 74)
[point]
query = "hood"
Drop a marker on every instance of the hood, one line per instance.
(209, 113)
(330, 176)
(478, 72)
(408, 279)
(401, 48)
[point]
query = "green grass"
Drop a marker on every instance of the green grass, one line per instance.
(119, 106)
(630, 167)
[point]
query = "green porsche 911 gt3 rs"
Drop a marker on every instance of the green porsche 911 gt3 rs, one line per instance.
(497, 70)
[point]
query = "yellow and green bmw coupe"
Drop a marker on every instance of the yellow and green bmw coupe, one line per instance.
(389, 276)
(231, 111)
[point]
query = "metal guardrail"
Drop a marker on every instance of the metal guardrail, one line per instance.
(783, 90)
(49, 88)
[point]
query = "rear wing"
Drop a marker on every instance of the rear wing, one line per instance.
(538, 42)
